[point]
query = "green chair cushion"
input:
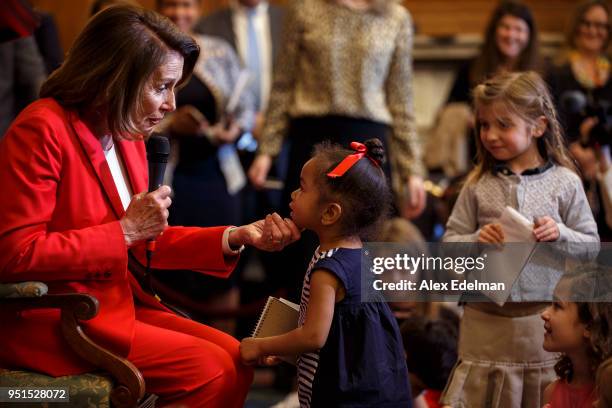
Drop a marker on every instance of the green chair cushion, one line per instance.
(89, 390)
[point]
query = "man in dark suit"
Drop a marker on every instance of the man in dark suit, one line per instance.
(253, 28)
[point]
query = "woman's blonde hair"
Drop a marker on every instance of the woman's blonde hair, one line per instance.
(111, 61)
(524, 94)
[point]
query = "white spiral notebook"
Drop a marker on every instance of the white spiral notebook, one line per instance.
(279, 316)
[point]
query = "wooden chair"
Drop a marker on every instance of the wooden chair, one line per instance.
(117, 384)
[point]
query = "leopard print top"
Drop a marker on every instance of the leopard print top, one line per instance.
(340, 61)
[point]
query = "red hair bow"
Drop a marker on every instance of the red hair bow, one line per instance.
(349, 161)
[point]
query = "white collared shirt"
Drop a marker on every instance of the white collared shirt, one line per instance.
(264, 39)
(117, 169)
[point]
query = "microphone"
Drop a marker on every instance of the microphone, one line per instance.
(158, 150)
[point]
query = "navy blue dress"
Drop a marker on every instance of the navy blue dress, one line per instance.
(362, 363)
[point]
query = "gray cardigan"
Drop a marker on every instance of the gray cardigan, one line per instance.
(556, 192)
(552, 191)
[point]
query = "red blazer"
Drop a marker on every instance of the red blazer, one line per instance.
(59, 223)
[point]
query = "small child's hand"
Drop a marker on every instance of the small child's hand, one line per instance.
(545, 229)
(491, 234)
(249, 350)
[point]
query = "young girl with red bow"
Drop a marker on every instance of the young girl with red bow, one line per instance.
(350, 352)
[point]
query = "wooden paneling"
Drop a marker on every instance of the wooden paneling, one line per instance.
(433, 17)
(447, 17)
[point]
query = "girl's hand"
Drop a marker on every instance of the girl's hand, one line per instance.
(249, 350)
(546, 229)
(491, 234)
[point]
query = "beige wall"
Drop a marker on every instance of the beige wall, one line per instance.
(434, 17)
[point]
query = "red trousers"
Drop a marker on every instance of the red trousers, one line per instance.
(188, 364)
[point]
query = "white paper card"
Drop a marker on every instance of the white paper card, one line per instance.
(506, 264)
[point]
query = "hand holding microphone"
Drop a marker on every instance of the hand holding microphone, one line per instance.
(147, 215)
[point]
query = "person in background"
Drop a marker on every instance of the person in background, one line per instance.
(22, 72)
(208, 178)
(47, 39)
(584, 67)
(510, 44)
(22, 69)
(431, 354)
(253, 28)
(333, 78)
(204, 130)
(343, 74)
(399, 230)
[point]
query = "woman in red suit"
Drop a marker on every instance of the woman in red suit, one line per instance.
(70, 164)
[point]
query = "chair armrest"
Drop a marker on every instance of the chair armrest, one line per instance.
(84, 306)
(80, 306)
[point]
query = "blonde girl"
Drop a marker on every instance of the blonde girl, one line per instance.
(522, 163)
